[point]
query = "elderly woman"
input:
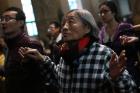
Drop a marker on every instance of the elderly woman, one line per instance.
(85, 66)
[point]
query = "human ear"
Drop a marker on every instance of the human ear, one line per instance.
(88, 28)
(21, 23)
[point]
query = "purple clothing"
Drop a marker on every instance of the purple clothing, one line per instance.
(23, 76)
(114, 43)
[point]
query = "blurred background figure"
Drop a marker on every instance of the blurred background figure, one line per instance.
(128, 40)
(55, 32)
(109, 35)
(55, 40)
(55, 36)
(3, 52)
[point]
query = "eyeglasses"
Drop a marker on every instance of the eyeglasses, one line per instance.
(51, 27)
(6, 18)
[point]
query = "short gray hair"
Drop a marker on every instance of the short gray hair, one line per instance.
(88, 19)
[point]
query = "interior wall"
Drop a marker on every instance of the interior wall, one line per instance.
(136, 11)
(4, 4)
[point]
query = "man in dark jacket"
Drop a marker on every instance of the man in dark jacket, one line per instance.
(22, 75)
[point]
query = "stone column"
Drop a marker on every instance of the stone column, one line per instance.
(46, 11)
(136, 11)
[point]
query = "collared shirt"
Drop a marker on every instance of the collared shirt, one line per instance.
(90, 73)
(59, 38)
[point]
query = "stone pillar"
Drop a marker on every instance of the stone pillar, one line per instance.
(16, 3)
(46, 11)
(4, 4)
(92, 6)
(136, 11)
(7, 3)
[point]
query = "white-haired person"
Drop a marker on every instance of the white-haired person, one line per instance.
(85, 65)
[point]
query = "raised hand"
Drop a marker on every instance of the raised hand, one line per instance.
(128, 39)
(32, 53)
(117, 64)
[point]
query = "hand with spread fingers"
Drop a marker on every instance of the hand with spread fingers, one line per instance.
(32, 53)
(117, 64)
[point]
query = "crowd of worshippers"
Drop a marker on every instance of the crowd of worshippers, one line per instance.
(80, 58)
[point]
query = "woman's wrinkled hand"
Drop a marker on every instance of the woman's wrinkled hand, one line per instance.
(117, 64)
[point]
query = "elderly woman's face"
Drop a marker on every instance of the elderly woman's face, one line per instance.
(73, 28)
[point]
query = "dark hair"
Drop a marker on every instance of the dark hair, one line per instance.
(20, 14)
(56, 24)
(112, 6)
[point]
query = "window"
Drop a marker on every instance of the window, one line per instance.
(30, 19)
(75, 4)
(124, 7)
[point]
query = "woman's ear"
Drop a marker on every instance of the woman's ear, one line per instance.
(88, 28)
(113, 13)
